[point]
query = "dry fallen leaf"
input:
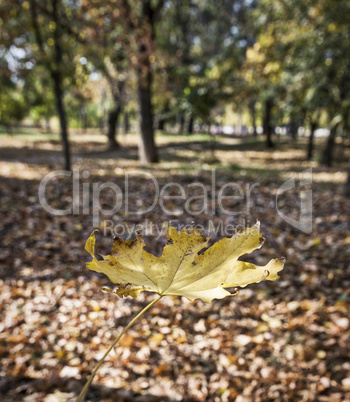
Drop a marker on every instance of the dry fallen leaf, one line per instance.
(181, 270)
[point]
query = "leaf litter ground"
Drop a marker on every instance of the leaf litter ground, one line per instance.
(284, 340)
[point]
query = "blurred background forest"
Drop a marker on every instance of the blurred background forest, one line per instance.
(236, 67)
(258, 90)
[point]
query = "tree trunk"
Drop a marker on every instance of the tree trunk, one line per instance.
(267, 123)
(253, 116)
(118, 96)
(182, 123)
(161, 124)
(147, 148)
(310, 147)
(327, 158)
(54, 67)
(57, 80)
(113, 117)
(293, 128)
(126, 123)
(163, 117)
(190, 125)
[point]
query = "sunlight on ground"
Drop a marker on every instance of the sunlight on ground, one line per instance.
(31, 156)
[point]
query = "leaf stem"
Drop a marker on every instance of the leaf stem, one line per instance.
(132, 322)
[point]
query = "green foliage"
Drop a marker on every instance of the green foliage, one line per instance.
(12, 105)
(203, 56)
(301, 55)
(198, 53)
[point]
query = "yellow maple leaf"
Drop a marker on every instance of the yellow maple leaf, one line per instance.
(186, 268)
(181, 270)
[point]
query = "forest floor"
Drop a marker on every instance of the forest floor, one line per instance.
(275, 341)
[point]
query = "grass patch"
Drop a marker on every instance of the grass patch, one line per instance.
(30, 135)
